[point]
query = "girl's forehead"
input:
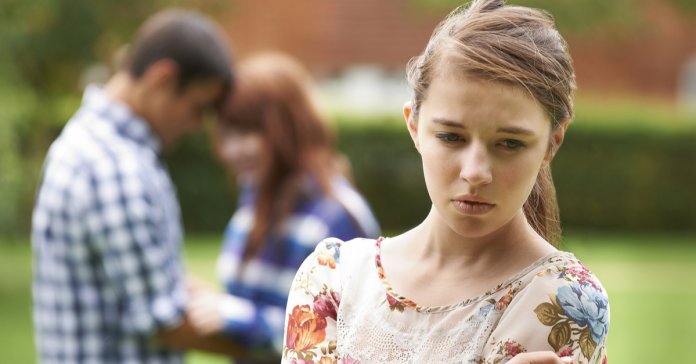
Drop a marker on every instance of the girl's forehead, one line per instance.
(473, 99)
(450, 66)
(476, 90)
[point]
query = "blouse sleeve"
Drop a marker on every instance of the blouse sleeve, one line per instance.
(564, 310)
(310, 322)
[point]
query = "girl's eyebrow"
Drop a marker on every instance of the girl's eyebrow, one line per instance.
(515, 130)
(448, 122)
(507, 130)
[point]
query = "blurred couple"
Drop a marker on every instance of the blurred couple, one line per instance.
(109, 284)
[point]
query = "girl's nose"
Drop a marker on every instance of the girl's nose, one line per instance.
(476, 165)
(232, 147)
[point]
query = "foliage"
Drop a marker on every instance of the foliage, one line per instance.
(688, 5)
(579, 16)
(611, 178)
(623, 167)
(387, 170)
(206, 194)
(46, 47)
(631, 179)
(50, 42)
(10, 165)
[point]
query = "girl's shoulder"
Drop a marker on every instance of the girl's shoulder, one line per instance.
(562, 269)
(560, 276)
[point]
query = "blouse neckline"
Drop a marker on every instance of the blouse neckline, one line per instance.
(398, 300)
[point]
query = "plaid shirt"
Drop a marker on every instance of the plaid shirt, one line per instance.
(254, 308)
(106, 234)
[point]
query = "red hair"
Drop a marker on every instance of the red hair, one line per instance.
(271, 97)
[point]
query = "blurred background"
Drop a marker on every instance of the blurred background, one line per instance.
(626, 175)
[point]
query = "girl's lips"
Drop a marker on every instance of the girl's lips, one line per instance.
(470, 207)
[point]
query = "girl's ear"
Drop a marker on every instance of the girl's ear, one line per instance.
(557, 137)
(411, 124)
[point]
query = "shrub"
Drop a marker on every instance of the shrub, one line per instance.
(624, 167)
(622, 171)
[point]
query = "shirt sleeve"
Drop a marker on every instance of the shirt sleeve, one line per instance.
(564, 310)
(255, 326)
(257, 323)
(310, 322)
(138, 247)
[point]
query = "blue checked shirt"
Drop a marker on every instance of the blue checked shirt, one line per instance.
(106, 234)
(254, 308)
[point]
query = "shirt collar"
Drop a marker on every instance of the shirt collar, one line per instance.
(126, 123)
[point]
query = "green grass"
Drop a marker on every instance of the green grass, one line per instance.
(652, 290)
(16, 340)
(650, 281)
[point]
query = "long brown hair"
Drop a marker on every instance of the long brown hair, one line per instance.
(510, 44)
(272, 97)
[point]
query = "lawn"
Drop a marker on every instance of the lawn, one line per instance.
(650, 280)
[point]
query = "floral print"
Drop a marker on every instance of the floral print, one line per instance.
(505, 351)
(326, 303)
(394, 304)
(348, 360)
(554, 304)
(326, 360)
(587, 307)
(328, 253)
(306, 329)
(578, 313)
(306, 324)
(505, 300)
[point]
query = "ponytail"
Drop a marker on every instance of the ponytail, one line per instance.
(541, 207)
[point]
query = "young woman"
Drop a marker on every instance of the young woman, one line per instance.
(480, 280)
(293, 194)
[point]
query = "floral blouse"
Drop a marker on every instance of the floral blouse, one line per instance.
(342, 309)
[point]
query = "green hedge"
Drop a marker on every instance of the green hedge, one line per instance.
(622, 167)
(618, 173)
(630, 180)
(207, 198)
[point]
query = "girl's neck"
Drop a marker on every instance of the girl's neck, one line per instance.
(434, 265)
(515, 243)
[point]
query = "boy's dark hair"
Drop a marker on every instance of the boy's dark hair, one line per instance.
(189, 39)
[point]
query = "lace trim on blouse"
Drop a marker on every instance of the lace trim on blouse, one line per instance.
(555, 257)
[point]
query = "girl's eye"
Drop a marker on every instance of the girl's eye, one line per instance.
(512, 144)
(448, 137)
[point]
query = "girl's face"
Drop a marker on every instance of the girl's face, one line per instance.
(482, 144)
(244, 152)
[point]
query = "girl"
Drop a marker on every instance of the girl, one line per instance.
(278, 148)
(480, 280)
